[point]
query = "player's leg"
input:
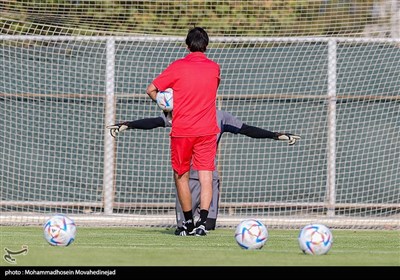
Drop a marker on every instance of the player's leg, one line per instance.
(204, 152)
(195, 190)
(183, 191)
(205, 178)
(213, 210)
(194, 186)
(181, 153)
(179, 216)
(185, 200)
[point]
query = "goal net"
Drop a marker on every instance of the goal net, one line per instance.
(326, 70)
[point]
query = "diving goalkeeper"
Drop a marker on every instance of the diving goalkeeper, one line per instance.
(227, 123)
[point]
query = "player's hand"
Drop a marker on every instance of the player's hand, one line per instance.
(117, 128)
(289, 137)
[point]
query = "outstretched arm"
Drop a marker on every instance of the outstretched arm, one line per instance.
(147, 123)
(256, 132)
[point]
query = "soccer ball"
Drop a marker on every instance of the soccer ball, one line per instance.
(59, 230)
(315, 239)
(164, 100)
(251, 234)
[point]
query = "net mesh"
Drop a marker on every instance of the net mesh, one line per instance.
(326, 70)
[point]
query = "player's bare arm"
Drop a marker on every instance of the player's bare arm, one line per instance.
(152, 91)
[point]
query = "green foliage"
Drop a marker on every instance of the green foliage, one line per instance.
(243, 18)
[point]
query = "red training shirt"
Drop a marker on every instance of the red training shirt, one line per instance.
(195, 80)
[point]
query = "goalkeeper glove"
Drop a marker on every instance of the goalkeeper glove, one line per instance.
(291, 138)
(115, 129)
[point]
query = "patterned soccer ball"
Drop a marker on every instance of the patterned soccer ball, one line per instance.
(59, 230)
(165, 100)
(315, 239)
(251, 234)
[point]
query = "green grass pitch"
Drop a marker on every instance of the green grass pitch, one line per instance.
(122, 246)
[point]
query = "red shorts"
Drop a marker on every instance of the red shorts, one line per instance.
(198, 151)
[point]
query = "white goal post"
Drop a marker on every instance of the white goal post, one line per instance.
(342, 95)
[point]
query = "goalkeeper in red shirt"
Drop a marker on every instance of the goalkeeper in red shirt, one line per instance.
(227, 123)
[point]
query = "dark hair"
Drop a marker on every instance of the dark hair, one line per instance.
(197, 40)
